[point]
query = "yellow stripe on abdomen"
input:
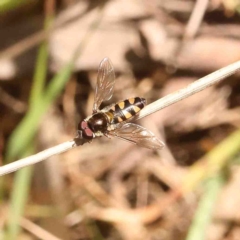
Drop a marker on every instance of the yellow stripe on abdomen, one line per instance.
(127, 114)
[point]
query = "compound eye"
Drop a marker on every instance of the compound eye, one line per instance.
(87, 133)
(83, 125)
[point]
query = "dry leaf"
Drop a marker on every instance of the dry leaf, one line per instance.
(113, 38)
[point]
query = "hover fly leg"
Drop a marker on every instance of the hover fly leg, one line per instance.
(107, 135)
(79, 134)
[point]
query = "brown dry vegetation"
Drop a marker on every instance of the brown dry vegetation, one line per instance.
(110, 189)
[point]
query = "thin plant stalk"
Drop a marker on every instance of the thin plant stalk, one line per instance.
(18, 200)
(191, 89)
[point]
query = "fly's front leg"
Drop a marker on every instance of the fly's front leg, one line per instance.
(79, 134)
(107, 135)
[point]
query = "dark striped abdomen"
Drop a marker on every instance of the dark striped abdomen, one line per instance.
(126, 109)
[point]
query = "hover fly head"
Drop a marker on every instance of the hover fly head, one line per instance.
(87, 133)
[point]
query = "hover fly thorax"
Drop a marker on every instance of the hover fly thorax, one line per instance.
(99, 123)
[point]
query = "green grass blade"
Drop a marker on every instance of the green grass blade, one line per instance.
(213, 162)
(203, 215)
(21, 138)
(29, 125)
(22, 178)
(39, 76)
(18, 201)
(40, 72)
(6, 5)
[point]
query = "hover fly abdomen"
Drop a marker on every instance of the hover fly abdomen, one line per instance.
(126, 109)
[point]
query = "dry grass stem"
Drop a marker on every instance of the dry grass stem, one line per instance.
(14, 166)
(166, 101)
(191, 89)
(36, 230)
(196, 19)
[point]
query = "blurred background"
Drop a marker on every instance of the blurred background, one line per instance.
(49, 55)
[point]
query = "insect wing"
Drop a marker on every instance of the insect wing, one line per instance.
(105, 83)
(138, 135)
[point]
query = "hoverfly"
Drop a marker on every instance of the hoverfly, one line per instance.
(113, 119)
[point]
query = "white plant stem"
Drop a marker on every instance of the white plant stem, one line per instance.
(191, 89)
(14, 166)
